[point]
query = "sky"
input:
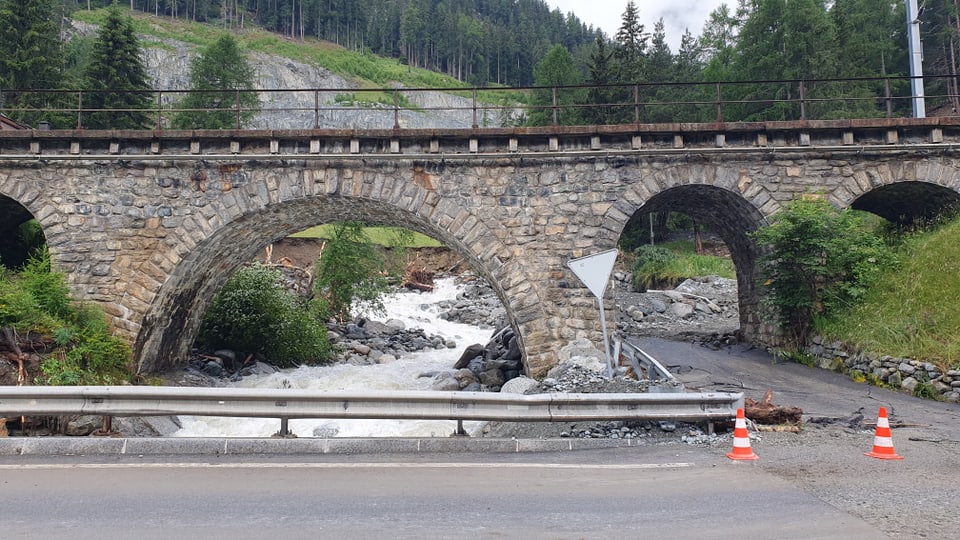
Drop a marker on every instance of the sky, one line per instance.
(678, 15)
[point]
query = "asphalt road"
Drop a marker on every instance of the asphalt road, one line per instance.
(655, 492)
(912, 498)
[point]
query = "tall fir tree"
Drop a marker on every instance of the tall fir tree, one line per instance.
(218, 73)
(631, 45)
(30, 57)
(601, 97)
(552, 104)
(120, 93)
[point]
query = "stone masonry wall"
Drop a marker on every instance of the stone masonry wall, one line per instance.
(151, 225)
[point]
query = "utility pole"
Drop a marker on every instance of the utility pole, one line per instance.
(916, 58)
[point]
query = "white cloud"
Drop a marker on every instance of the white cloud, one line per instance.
(678, 15)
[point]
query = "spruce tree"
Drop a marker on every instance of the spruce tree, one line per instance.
(556, 69)
(600, 96)
(220, 72)
(30, 57)
(120, 94)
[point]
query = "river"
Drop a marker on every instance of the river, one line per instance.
(416, 310)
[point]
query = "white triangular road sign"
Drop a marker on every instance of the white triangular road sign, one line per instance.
(594, 270)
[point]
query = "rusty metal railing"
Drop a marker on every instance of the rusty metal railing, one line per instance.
(472, 108)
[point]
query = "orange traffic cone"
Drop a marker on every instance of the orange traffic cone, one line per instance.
(883, 441)
(741, 440)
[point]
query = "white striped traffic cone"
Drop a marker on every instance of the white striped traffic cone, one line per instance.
(741, 440)
(883, 441)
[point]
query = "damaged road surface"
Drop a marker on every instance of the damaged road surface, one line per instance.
(912, 498)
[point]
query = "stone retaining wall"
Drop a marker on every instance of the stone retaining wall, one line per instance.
(897, 373)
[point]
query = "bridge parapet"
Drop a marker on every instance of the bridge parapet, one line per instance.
(883, 134)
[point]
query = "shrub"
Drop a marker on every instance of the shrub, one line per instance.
(255, 313)
(350, 274)
(816, 260)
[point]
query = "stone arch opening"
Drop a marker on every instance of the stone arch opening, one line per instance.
(726, 214)
(20, 233)
(171, 324)
(908, 203)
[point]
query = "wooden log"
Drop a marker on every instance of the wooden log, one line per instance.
(765, 412)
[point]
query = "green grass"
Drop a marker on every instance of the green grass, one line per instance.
(684, 264)
(378, 235)
(912, 311)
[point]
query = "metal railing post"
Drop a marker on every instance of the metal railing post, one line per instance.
(888, 97)
(636, 103)
(803, 102)
(238, 108)
(475, 124)
(553, 92)
(159, 110)
(79, 109)
(316, 109)
(396, 109)
(719, 105)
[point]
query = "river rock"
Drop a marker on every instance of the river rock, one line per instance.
(519, 385)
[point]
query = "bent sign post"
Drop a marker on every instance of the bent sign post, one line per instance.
(594, 271)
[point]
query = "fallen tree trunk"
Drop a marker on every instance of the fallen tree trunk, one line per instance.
(765, 412)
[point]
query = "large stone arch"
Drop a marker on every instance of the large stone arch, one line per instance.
(730, 204)
(260, 213)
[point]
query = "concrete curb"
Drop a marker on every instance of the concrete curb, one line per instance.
(71, 446)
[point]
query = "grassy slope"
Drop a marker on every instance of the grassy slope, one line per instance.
(912, 312)
(377, 235)
(369, 71)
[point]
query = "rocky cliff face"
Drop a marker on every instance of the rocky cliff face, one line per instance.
(168, 65)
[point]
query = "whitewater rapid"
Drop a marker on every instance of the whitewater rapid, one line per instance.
(416, 310)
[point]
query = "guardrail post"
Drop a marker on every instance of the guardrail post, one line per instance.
(316, 109)
(284, 428)
(460, 432)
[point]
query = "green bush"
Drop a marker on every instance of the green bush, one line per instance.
(350, 274)
(38, 301)
(817, 260)
(255, 313)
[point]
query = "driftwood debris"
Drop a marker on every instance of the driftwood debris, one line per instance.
(765, 412)
(418, 278)
(18, 356)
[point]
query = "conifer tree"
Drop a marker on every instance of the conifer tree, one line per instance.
(555, 70)
(30, 56)
(220, 72)
(602, 98)
(120, 93)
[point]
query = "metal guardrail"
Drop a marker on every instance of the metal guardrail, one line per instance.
(288, 404)
(644, 364)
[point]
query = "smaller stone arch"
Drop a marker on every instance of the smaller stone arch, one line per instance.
(18, 239)
(733, 217)
(908, 203)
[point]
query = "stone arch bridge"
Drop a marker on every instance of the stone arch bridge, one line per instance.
(151, 224)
